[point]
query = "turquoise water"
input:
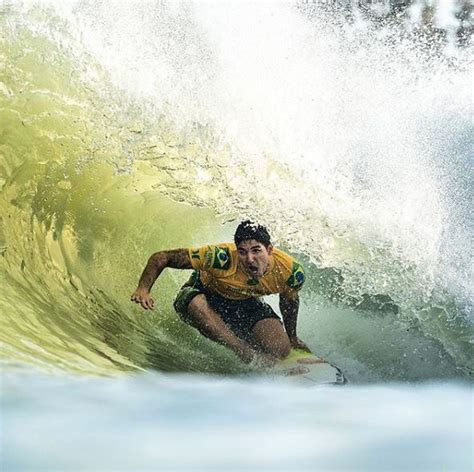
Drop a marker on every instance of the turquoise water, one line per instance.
(127, 128)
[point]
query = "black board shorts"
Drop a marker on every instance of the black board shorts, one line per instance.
(239, 315)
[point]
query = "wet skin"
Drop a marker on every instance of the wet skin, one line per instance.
(254, 257)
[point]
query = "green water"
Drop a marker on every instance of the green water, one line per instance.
(76, 229)
(93, 181)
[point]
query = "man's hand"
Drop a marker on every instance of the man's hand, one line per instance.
(142, 297)
(296, 343)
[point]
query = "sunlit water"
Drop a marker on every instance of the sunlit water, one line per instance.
(129, 127)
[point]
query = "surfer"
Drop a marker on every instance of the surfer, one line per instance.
(222, 299)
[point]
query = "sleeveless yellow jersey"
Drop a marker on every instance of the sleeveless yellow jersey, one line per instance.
(220, 272)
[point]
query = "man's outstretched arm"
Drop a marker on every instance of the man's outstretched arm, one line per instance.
(289, 310)
(175, 258)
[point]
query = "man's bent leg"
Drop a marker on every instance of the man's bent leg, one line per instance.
(269, 335)
(210, 324)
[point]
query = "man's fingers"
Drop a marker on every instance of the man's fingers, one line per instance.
(144, 300)
(303, 346)
(297, 343)
(149, 303)
(146, 303)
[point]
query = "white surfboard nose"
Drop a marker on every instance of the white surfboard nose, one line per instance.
(305, 368)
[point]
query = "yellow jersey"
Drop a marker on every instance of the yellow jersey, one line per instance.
(220, 272)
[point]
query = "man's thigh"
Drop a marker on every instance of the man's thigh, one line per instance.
(269, 336)
(200, 311)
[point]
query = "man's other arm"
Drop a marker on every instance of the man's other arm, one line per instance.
(175, 258)
(289, 310)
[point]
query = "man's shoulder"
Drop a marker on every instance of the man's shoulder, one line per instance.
(219, 257)
(290, 269)
(283, 258)
(225, 256)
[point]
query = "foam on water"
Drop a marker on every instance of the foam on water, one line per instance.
(156, 422)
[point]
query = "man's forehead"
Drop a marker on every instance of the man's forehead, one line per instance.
(249, 244)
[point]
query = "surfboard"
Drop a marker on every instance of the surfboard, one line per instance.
(305, 368)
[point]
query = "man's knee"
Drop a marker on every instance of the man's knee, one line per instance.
(199, 313)
(197, 304)
(280, 349)
(272, 338)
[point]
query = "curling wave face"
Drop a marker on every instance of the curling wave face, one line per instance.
(120, 138)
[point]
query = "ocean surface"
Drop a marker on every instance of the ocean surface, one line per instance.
(132, 127)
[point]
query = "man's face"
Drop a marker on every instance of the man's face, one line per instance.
(254, 257)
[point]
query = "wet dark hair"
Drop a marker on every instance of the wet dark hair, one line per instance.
(250, 230)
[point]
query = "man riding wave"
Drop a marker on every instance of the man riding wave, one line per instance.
(222, 299)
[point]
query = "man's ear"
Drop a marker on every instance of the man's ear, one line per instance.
(270, 250)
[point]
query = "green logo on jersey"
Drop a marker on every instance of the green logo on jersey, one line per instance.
(222, 259)
(252, 282)
(297, 277)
